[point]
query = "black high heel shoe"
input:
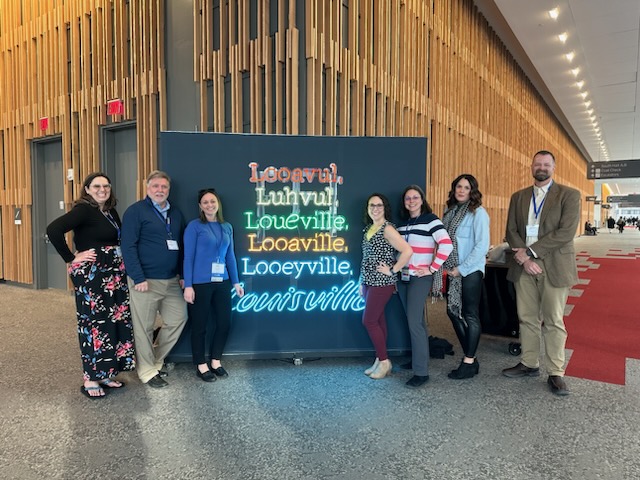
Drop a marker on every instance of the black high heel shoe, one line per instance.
(207, 376)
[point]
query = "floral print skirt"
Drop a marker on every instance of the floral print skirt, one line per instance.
(104, 318)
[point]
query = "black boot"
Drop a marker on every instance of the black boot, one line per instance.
(465, 370)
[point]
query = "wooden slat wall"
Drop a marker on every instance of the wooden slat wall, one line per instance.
(431, 68)
(35, 51)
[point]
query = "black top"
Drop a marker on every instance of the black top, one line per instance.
(91, 229)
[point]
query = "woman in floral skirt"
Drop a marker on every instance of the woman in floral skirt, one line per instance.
(100, 282)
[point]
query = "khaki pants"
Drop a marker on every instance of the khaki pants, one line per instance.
(541, 311)
(164, 296)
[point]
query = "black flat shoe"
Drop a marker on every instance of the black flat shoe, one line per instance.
(207, 376)
(220, 372)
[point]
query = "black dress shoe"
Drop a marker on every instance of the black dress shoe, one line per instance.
(407, 366)
(157, 382)
(417, 381)
(207, 376)
(558, 385)
(220, 372)
(521, 370)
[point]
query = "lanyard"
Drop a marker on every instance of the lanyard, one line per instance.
(407, 230)
(536, 209)
(112, 221)
(216, 236)
(166, 220)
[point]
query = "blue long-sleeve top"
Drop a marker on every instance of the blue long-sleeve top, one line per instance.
(472, 237)
(144, 242)
(204, 244)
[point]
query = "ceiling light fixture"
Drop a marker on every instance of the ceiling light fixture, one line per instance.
(580, 84)
(587, 103)
(563, 37)
(575, 71)
(554, 13)
(570, 56)
(584, 94)
(590, 111)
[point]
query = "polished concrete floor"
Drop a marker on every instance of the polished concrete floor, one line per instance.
(320, 420)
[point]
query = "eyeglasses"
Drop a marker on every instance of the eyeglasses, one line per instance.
(373, 206)
(415, 197)
(106, 186)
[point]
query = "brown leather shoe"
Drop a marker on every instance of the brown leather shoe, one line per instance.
(521, 370)
(558, 385)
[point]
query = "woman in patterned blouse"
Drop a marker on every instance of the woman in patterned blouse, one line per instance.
(378, 276)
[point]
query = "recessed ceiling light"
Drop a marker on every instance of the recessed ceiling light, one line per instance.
(584, 94)
(575, 71)
(587, 103)
(570, 56)
(554, 13)
(590, 111)
(580, 84)
(563, 37)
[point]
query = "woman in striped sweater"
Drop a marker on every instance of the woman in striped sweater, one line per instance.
(431, 245)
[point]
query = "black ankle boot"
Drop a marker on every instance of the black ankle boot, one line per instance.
(465, 370)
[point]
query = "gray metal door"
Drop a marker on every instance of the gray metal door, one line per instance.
(120, 162)
(51, 270)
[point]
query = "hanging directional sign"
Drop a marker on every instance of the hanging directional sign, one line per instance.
(628, 199)
(621, 169)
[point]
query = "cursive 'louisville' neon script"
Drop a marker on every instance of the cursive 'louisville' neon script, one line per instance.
(337, 298)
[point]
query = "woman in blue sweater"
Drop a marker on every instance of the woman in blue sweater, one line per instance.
(210, 269)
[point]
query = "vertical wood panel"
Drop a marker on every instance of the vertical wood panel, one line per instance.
(35, 51)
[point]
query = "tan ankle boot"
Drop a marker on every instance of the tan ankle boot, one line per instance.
(384, 367)
(372, 368)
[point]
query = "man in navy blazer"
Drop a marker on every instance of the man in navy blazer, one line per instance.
(542, 223)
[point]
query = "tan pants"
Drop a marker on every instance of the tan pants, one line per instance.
(164, 296)
(541, 311)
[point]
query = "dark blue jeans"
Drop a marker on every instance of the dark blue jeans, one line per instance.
(468, 327)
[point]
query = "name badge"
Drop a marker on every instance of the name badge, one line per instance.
(217, 272)
(172, 245)
(532, 230)
(404, 274)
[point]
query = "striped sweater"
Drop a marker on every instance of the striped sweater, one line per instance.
(424, 234)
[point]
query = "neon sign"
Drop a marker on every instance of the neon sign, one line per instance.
(312, 226)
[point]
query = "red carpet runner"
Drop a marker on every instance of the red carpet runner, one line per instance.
(604, 326)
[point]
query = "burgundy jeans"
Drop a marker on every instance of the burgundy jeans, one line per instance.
(373, 318)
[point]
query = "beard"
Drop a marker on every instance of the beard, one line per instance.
(541, 175)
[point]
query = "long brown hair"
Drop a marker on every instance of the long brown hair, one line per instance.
(111, 202)
(475, 196)
(201, 215)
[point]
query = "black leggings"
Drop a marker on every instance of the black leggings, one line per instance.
(212, 309)
(468, 327)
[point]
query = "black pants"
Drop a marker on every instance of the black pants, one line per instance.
(468, 327)
(211, 308)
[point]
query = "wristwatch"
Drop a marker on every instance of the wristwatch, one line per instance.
(530, 253)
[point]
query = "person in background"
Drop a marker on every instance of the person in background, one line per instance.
(431, 245)
(100, 284)
(210, 270)
(378, 276)
(152, 249)
(541, 225)
(467, 223)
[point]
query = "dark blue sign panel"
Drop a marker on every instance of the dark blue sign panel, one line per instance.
(296, 204)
